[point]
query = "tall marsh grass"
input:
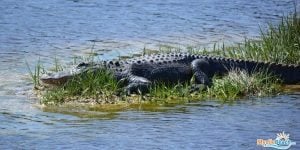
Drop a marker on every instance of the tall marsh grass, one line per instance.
(279, 43)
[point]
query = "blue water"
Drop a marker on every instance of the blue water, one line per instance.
(30, 30)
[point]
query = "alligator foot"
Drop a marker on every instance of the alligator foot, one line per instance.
(138, 85)
(197, 88)
(137, 88)
(201, 69)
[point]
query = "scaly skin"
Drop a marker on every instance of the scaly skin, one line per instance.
(172, 68)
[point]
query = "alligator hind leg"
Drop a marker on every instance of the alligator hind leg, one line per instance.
(201, 70)
(136, 84)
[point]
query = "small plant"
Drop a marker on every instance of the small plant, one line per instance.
(35, 76)
(57, 65)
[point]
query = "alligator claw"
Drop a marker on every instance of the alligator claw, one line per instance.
(137, 88)
(197, 88)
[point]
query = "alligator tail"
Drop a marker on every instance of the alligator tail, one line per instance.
(289, 74)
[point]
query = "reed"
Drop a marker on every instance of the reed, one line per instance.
(36, 73)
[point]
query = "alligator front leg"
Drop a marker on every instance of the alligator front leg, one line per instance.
(136, 84)
(201, 70)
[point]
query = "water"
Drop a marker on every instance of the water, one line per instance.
(47, 29)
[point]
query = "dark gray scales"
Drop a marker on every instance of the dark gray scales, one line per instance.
(141, 72)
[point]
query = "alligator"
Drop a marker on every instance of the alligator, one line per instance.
(141, 72)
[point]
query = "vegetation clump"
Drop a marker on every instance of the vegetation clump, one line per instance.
(96, 86)
(240, 83)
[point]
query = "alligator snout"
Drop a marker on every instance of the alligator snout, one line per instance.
(57, 78)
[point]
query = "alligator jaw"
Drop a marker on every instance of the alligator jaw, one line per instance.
(57, 78)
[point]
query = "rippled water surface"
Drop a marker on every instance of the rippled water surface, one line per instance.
(64, 28)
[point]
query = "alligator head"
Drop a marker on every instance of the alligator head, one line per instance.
(59, 78)
(56, 78)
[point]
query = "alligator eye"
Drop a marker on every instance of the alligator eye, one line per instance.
(82, 64)
(138, 61)
(117, 63)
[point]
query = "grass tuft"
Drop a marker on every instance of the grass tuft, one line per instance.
(93, 84)
(238, 84)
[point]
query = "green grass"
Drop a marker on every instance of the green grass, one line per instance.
(162, 93)
(102, 88)
(239, 84)
(279, 44)
(99, 85)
